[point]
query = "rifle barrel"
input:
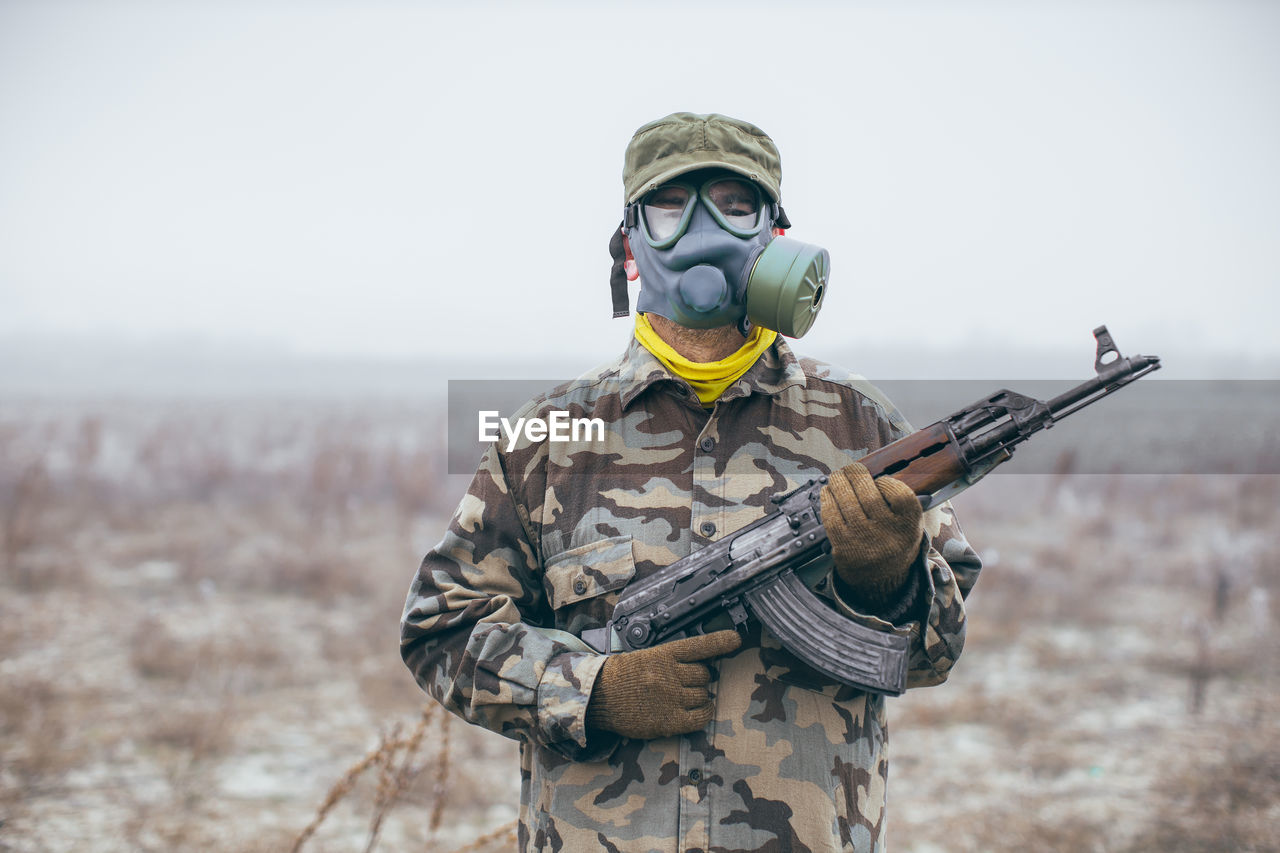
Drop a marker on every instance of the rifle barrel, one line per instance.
(1110, 378)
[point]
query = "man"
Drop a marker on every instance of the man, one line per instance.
(718, 742)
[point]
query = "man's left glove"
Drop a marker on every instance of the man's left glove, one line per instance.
(875, 528)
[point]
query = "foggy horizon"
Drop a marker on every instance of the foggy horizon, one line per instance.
(408, 182)
(96, 367)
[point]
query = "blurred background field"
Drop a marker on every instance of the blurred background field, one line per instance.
(198, 615)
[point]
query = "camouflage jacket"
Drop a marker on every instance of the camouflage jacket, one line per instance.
(547, 535)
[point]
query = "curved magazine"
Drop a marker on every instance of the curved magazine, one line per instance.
(830, 643)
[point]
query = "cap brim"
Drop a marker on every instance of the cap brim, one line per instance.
(713, 163)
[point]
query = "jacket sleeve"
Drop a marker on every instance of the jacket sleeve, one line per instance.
(472, 631)
(933, 616)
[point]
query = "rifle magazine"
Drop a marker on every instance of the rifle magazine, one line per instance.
(852, 654)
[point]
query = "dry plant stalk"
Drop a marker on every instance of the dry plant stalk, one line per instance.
(394, 760)
(1201, 670)
(506, 832)
(28, 504)
(382, 756)
(442, 773)
(392, 782)
(385, 793)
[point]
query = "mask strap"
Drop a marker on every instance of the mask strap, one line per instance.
(618, 275)
(780, 219)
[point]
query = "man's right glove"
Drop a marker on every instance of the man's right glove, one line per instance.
(875, 528)
(660, 691)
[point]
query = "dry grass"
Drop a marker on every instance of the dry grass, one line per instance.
(198, 610)
(1222, 792)
(1116, 677)
(157, 653)
(393, 761)
(397, 769)
(34, 718)
(26, 505)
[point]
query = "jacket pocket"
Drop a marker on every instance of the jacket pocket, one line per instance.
(582, 583)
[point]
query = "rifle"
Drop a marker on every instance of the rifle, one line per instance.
(767, 568)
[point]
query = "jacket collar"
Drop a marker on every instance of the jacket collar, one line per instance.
(776, 370)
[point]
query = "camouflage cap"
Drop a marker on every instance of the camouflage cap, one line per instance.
(683, 142)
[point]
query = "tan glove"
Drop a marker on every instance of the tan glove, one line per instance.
(660, 691)
(874, 527)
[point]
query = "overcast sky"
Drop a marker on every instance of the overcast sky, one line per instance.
(418, 179)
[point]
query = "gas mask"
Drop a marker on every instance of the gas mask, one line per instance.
(707, 257)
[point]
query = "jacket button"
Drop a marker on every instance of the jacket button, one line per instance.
(708, 528)
(707, 444)
(695, 775)
(579, 586)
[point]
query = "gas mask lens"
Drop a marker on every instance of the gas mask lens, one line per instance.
(666, 212)
(736, 204)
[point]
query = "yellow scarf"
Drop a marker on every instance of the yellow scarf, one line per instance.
(708, 379)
